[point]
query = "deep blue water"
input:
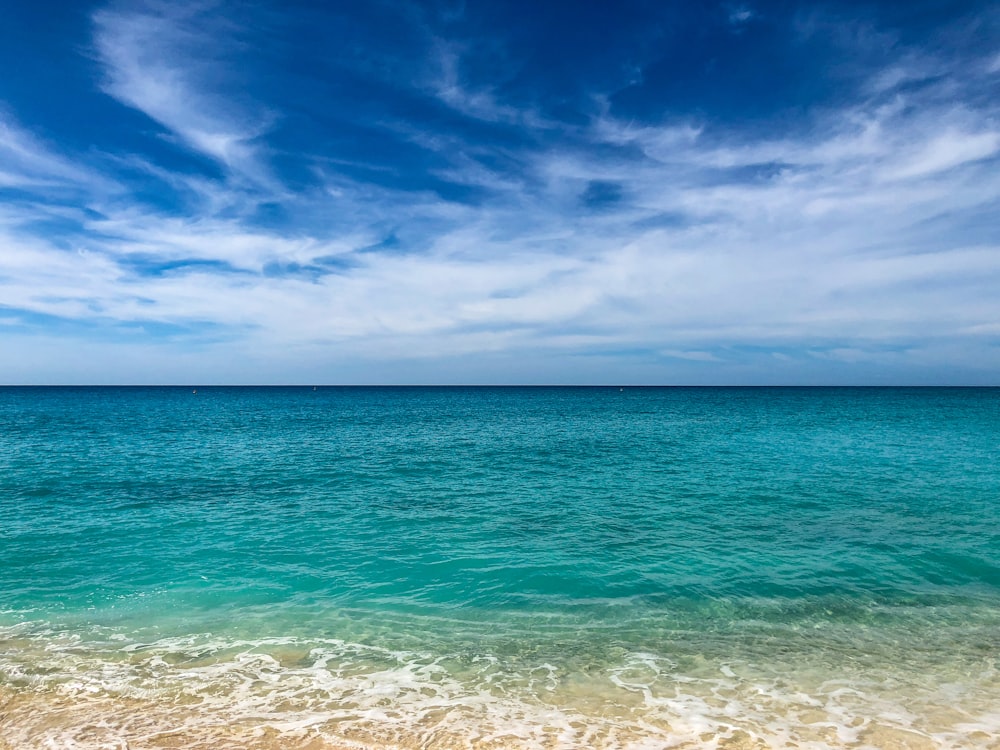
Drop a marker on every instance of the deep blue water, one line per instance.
(583, 551)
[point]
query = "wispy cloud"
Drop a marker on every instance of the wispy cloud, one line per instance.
(740, 14)
(158, 59)
(947, 151)
(445, 81)
(26, 161)
(864, 237)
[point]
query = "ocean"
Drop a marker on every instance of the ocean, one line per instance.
(352, 567)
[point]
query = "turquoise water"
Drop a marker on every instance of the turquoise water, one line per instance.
(491, 567)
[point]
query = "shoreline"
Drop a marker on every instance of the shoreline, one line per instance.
(273, 700)
(35, 722)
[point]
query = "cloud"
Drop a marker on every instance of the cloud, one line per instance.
(27, 162)
(446, 83)
(740, 15)
(157, 59)
(947, 151)
(694, 356)
(862, 237)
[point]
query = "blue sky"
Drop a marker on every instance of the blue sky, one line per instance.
(493, 192)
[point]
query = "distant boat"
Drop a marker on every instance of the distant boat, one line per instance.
(195, 390)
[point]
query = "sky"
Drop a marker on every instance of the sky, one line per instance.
(500, 192)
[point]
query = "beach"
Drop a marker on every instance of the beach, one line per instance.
(282, 695)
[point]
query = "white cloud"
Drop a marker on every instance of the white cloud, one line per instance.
(693, 355)
(446, 83)
(26, 161)
(946, 151)
(850, 243)
(156, 60)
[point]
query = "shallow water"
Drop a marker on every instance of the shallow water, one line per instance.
(499, 567)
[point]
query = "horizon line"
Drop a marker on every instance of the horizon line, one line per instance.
(493, 385)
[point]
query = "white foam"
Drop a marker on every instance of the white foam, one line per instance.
(206, 691)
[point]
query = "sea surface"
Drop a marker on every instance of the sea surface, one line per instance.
(499, 567)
